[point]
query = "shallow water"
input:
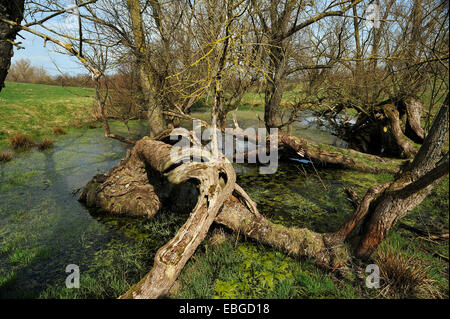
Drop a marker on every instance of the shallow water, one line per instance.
(43, 228)
(307, 126)
(41, 221)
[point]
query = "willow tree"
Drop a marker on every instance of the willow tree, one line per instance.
(279, 21)
(142, 53)
(387, 73)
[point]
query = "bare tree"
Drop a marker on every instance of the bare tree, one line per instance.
(23, 71)
(386, 75)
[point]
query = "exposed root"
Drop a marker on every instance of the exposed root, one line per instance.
(126, 189)
(407, 149)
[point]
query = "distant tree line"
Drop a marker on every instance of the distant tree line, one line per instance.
(25, 72)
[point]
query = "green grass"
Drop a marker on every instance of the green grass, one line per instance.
(254, 100)
(233, 269)
(34, 109)
(243, 269)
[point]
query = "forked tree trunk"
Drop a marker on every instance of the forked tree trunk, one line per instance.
(385, 204)
(390, 130)
(401, 197)
(410, 189)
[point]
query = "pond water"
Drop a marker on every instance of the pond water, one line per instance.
(43, 228)
(307, 126)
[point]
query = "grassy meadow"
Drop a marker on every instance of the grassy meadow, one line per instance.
(35, 109)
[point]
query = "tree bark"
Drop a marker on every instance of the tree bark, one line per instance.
(126, 189)
(413, 128)
(296, 242)
(394, 204)
(274, 87)
(389, 129)
(11, 10)
(317, 152)
(155, 116)
(385, 204)
(406, 148)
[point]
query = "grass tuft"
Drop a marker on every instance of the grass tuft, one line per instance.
(6, 156)
(45, 144)
(217, 238)
(76, 124)
(20, 141)
(402, 276)
(58, 130)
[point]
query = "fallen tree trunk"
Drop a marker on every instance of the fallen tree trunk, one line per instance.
(321, 153)
(128, 189)
(171, 258)
(125, 189)
(221, 200)
(296, 242)
(422, 232)
(335, 156)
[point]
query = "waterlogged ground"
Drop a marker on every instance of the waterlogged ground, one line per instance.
(43, 229)
(307, 126)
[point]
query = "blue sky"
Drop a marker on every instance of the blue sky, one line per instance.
(46, 57)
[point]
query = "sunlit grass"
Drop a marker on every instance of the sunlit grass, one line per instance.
(35, 109)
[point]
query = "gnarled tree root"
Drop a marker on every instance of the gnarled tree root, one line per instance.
(126, 189)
